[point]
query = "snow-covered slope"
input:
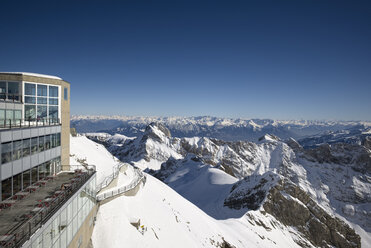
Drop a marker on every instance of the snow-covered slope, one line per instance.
(335, 180)
(169, 220)
(85, 151)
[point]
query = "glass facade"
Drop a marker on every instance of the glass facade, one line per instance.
(41, 102)
(17, 149)
(62, 229)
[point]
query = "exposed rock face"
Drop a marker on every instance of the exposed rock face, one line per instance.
(294, 207)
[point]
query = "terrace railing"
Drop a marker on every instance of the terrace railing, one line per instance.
(8, 97)
(24, 230)
(139, 177)
(24, 123)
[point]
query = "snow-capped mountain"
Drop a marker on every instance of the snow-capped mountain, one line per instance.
(321, 196)
(221, 128)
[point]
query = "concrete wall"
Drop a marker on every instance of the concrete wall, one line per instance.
(65, 109)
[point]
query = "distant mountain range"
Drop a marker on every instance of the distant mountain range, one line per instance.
(228, 129)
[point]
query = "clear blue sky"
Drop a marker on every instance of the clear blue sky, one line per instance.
(250, 59)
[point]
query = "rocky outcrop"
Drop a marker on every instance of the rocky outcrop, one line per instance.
(294, 207)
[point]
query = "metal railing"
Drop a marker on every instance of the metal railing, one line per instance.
(10, 97)
(24, 123)
(108, 179)
(24, 230)
(139, 177)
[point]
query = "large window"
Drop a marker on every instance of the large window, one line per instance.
(41, 102)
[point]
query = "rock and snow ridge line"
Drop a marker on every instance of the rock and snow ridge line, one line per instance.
(313, 170)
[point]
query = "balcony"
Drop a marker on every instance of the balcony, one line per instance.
(27, 211)
(23, 123)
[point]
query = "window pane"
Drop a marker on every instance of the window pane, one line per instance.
(2, 90)
(53, 101)
(53, 113)
(2, 87)
(53, 91)
(6, 186)
(9, 117)
(26, 147)
(47, 142)
(13, 91)
(17, 149)
(34, 175)
(42, 100)
(41, 143)
(2, 114)
(30, 99)
(17, 183)
(65, 94)
(58, 139)
(30, 112)
(26, 178)
(42, 90)
(34, 145)
(17, 114)
(6, 152)
(41, 112)
(29, 89)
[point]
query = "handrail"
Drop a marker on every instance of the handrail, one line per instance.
(26, 229)
(139, 176)
(108, 179)
(10, 97)
(19, 123)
